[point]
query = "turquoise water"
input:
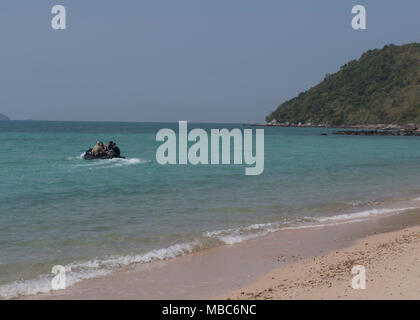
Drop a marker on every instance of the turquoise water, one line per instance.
(95, 216)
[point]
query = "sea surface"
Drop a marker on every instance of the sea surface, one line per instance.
(94, 217)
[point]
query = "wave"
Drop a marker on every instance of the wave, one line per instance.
(237, 235)
(42, 284)
(362, 214)
(79, 271)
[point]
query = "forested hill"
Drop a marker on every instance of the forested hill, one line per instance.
(382, 87)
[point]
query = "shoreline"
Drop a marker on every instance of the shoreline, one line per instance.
(217, 272)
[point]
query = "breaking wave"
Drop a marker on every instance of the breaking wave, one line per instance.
(362, 214)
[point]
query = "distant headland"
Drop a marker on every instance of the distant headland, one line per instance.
(3, 117)
(381, 90)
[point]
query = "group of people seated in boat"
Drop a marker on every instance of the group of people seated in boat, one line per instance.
(101, 150)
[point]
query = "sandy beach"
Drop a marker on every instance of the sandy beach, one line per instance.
(391, 261)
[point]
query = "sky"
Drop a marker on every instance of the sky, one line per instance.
(170, 60)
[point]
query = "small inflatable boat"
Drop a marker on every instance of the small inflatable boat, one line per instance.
(89, 156)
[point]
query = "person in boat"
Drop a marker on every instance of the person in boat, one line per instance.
(113, 150)
(100, 149)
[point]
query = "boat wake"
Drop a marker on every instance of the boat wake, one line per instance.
(107, 163)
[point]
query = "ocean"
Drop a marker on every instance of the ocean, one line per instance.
(94, 217)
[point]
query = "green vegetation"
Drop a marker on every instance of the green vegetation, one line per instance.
(382, 87)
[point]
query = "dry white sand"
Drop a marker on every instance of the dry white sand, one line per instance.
(391, 261)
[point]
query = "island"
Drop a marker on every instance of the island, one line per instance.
(3, 117)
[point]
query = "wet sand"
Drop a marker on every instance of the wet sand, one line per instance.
(223, 271)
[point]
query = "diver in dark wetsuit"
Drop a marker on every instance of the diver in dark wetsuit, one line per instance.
(113, 150)
(116, 151)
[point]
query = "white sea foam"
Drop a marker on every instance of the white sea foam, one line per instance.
(79, 271)
(107, 163)
(42, 284)
(237, 235)
(111, 163)
(123, 261)
(80, 157)
(127, 162)
(241, 234)
(363, 214)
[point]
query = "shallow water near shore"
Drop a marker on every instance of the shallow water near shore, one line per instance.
(95, 217)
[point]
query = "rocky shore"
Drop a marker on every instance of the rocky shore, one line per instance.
(275, 123)
(390, 127)
(410, 133)
(411, 129)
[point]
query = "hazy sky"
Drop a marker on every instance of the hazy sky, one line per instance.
(196, 60)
